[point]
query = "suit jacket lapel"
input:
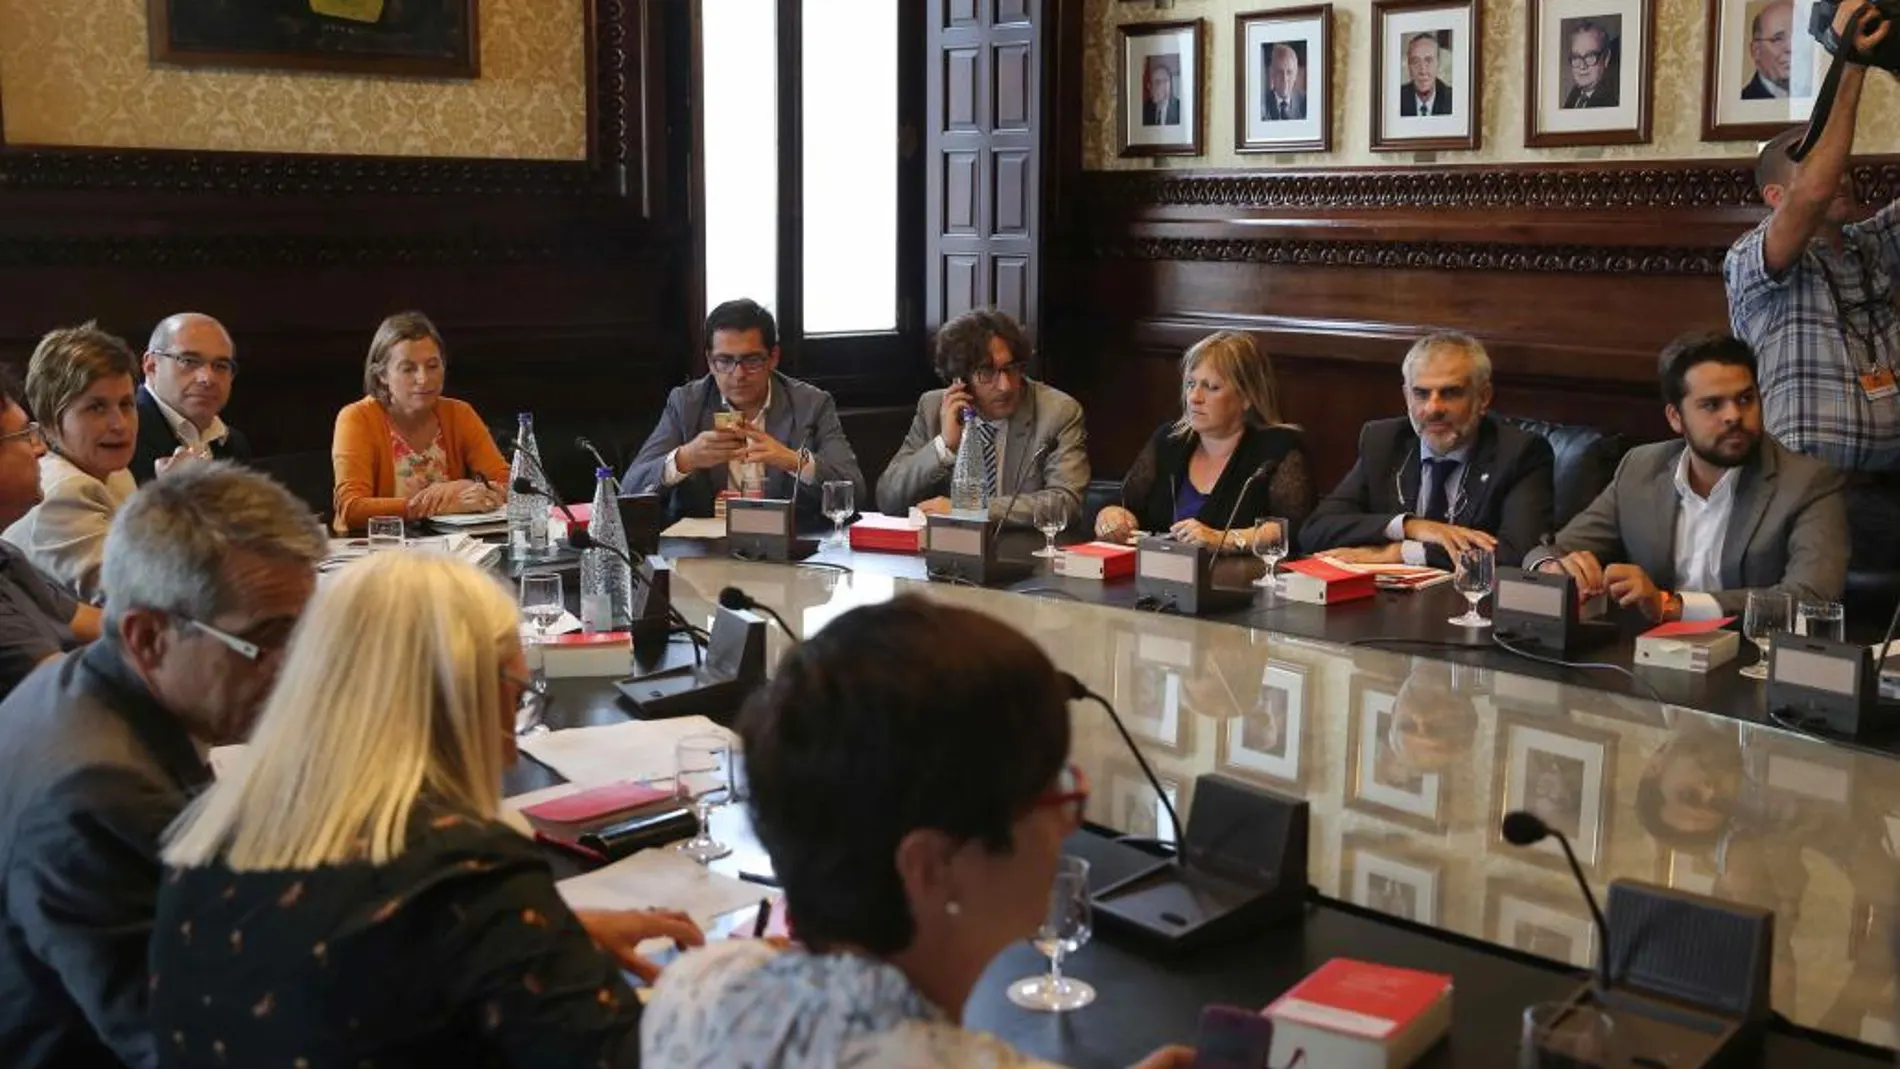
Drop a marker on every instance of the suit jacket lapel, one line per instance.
(1476, 495)
(1754, 489)
(780, 417)
(1659, 526)
(1016, 454)
(1410, 473)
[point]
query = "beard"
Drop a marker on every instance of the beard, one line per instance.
(1723, 455)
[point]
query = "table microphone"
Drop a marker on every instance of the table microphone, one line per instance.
(1266, 467)
(1524, 828)
(735, 599)
(1079, 691)
(582, 441)
(989, 550)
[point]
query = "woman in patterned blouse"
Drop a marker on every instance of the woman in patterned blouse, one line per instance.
(909, 778)
(346, 896)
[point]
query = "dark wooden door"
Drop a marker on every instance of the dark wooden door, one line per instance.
(982, 158)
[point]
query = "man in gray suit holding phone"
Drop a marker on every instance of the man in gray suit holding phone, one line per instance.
(1033, 440)
(1687, 528)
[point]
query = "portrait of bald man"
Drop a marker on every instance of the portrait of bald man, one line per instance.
(189, 366)
(1771, 47)
(1284, 99)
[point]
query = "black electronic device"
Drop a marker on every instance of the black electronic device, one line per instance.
(630, 836)
(1885, 55)
(1179, 577)
(960, 549)
(1543, 611)
(641, 519)
(765, 529)
(1818, 679)
(1230, 1037)
(735, 666)
(734, 598)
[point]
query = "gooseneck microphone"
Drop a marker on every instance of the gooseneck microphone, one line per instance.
(582, 441)
(1234, 513)
(735, 599)
(1524, 828)
(996, 532)
(1079, 691)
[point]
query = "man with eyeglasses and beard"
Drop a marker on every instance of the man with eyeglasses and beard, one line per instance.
(744, 428)
(1687, 528)
(189, 366)
(1032, 440)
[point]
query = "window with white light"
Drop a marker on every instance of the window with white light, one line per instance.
(739, 131)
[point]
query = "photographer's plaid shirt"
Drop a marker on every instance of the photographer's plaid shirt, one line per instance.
(1812, 349)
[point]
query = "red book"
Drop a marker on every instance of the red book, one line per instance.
(877, 532)
(1318, 581)
(1097, 560)
(1356, 1015)
(597, 803)
(557, 520)
(583, 654)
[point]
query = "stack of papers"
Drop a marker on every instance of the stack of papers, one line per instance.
(660, 879)
(637, 749)
(471, 519)
(1398, 576)
(476, 552)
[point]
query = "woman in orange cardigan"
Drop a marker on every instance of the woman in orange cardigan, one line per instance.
(406, 450)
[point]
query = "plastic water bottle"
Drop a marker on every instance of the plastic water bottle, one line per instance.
(606, 580)
(968, 495)
(527, 513)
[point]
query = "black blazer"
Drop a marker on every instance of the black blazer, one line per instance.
(1408, 100)
(1161, 470)
(1507, 490)
(157, 440)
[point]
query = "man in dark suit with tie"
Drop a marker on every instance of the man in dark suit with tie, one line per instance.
(1160, 107)
(1284, 101)
(189, 367)
(1448, 478)
(1425, 93)
(1592, 79)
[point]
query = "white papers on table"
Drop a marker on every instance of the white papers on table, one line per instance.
(699, 527)
(637, 749)
(661, 878)
(473, 550)
(471, 519)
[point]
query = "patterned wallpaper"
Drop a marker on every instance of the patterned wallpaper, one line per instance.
(75, 72)
(1676, 130)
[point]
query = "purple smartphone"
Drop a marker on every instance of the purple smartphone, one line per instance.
(1232, 1038)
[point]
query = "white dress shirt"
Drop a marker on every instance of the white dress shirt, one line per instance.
(186, 431)
(671, 475)
(1413, 552)
(1701, 531)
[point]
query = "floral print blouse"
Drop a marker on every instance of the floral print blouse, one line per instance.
(417, 471)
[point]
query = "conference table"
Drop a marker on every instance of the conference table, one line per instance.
(1409, 738)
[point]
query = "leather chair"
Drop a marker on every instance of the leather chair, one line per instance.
(1586, 460)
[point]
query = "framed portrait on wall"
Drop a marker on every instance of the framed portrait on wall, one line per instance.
(1380, 782)
(1283, 100)
(1160, 71)
(1761, 70)
(1384, 874)
(1150, 672)
(1268, 742)
(1548, 922)
(1590, 65)
(1562, 772)
(411, 38)
(1426, 59)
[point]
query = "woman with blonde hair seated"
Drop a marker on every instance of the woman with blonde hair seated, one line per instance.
(346, 896)
(405, 450)
(1190, 477)
(81, 384)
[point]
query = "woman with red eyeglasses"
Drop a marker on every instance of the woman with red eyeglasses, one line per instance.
(909, 778)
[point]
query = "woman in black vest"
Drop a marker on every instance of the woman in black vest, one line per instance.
(1227, 462)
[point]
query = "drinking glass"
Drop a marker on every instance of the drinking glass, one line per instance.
(1767, 612)
(385, 532)
(1561, 1034)
(1269, 544)
(704, 778)
(1475, 577)
(1064, 930)
(1052, 515)
(541, 601)
(839, 506)
(1821, 619)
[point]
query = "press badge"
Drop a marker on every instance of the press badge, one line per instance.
(1878, 384)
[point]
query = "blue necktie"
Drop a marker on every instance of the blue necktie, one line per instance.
(1439, 471)
(986, 438)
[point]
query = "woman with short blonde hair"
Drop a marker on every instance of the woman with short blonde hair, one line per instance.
(356, 859)
(1229, 459)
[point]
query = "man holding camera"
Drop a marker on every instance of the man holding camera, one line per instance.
(1811, 289)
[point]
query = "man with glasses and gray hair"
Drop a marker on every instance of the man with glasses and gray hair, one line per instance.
(744, 428)
(206, 573)
(1033, 442)
(189, 366)
(39, 619)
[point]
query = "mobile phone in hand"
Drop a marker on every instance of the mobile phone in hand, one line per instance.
(1232, 1038)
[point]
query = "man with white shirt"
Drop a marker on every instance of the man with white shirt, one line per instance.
(189, 367)
(1687, 528)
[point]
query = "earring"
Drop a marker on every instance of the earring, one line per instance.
(953, 908)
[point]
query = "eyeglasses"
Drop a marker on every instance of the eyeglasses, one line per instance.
(1070, 794)
(1588, 59)
(1777, 40)
(532, 706)
(194, 363)
(31, 434)
(724, 363)
(988, 374)
(270, 637)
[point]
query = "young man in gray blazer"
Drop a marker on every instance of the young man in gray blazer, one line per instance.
(1036, 444)
(1687, 528)
(779, 434)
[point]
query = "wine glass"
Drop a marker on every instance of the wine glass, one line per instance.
(1064, 930)
(1767, 612)
(704, 778)
(1051, 516)
(839, 505)
(541, 601)
(1565, 1034)
(1269, 544)
(1476, 575)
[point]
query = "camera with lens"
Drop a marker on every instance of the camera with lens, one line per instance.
(1885, 55)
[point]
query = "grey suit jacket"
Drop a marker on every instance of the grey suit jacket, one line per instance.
(95, 770)
(1046, 427)
(798, 412)
(1788, 530)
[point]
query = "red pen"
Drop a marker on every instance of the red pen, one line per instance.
(572, 847)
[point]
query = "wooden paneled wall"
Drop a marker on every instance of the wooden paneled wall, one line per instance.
(1574, 276)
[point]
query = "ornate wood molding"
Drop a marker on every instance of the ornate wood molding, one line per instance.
(1435, 256)
(616, 81)
(1698, 186)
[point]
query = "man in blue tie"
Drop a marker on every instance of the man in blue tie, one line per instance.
(1449, 477)
(1031, 434)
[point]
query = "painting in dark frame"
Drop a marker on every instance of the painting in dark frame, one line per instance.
(415, 38)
